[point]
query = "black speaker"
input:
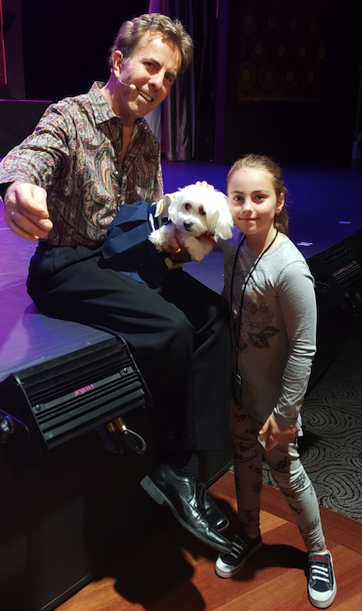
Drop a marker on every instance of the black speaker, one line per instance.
(338, 283)
(338, 277)
(52, 402)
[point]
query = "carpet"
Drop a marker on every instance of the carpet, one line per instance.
(331, 448)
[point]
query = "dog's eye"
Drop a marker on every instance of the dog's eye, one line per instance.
(202, 211)
(188, 206)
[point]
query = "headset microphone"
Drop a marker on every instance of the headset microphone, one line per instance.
(131, 86)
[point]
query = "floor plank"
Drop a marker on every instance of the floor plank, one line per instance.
(174, 572)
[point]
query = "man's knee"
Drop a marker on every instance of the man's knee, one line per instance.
(179, 329)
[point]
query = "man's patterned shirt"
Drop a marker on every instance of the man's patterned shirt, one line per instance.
(75, 154)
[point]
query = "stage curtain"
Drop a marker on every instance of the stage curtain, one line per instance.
(179, 109)
(2, 50)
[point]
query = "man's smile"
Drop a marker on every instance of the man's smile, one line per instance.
(144, 95)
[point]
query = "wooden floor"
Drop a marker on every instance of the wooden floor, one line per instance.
(171, 571)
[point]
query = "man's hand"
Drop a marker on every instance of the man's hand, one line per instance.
(273, 434)
(26, 211)
(175, 247)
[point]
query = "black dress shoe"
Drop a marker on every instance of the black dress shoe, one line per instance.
(180, 493)
(212, 513)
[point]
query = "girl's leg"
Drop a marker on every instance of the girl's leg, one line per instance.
(299, 492)
(292, 480)
(248, 469)
(248, 483)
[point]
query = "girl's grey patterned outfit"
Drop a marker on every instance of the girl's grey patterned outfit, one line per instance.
(276, 348)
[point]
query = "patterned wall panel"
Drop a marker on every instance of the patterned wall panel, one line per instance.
(281, 50)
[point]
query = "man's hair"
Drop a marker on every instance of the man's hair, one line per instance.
(132, 31)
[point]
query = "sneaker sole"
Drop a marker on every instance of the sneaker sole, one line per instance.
(227, 574)
(157, 495)
(322, 604)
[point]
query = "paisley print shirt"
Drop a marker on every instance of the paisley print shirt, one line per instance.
(75, 154)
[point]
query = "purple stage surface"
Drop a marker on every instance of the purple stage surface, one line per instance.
(325, 209)
(75, 486)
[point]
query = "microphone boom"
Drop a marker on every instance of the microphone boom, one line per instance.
(131, 86)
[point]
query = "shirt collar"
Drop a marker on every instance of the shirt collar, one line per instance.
(102, 110)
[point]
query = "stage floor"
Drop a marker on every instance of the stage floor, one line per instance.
(324, 208)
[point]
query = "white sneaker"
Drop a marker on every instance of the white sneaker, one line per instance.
(322, 587)
(228, 565)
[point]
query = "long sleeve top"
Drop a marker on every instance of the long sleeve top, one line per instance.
(75, 154)
(277, 340)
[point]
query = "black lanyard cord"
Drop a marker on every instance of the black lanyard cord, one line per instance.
(238, 330)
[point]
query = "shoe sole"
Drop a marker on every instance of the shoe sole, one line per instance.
(323, 604)
(226, 575)
(157, 495)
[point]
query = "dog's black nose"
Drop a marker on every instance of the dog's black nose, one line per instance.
(188, 226)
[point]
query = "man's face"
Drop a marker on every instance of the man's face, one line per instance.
(152, 68)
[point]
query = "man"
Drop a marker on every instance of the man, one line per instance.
(64, 185)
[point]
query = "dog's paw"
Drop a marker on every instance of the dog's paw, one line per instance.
(157, 238)
(198, 249)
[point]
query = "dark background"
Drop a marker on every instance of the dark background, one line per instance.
(297, 121)
(66, 43)
(66, 46)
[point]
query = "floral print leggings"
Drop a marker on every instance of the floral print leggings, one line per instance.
(287, 472)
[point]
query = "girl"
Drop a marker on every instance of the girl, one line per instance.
(272, 303)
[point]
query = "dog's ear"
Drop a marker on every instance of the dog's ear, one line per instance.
(174, 205)
(225, 221)
(168, 201)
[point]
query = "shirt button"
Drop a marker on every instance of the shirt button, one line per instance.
(116, 172)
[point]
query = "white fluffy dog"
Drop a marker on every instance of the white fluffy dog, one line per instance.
(200, 215)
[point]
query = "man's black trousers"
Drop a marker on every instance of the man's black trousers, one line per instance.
(180, 338)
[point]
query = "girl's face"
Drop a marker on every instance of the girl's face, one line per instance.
(253, 202)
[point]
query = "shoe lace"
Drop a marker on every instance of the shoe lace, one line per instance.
(237, 548)
(319, 570)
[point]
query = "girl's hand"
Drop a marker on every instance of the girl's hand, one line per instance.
(273, 434)
(204, 183)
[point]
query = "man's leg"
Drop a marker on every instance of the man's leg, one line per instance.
(71, 283)
(209, 314)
